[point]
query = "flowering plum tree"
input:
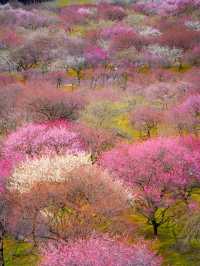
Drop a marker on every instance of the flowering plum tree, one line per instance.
(30, 19)
(8, 114)
(126, 38)
(50, 169)
(77, 64)
(95, 56)
(76, 15)
(99, 251)
(41, 101)
(33, 52)
(74, 59)
(9, 39)
(174, 38)
(111, 12)
(36, 140)
(96, 140)
(159, 171)
(70, 198)
(186, 116)
(165, 94)
(167, 7)
(192, 56)
(156, 55)
(145, 119)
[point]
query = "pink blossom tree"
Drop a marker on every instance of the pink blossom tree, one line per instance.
(193, 56)
(70, 198)
(176, 36)
(8, 113)
(165, 94)
(10, 39)
(99, 251)
(111, 12)
(159, 171)
(125, 39)
(76, 14)
(34, 140)
(167, 7)
(186, 116)
(29, 19)
(96, 140)
(41, 101)
(145, 119)
(33, 52)
(95, 55)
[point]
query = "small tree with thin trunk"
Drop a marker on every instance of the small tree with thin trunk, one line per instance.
(145, 119)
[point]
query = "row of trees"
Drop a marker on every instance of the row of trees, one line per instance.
(175, 105)
(107, 44)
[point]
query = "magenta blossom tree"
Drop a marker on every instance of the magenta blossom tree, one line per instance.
(99, 251)
(95, 56)
(160, 171)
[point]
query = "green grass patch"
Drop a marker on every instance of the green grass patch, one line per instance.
(63, 3)
(166, 244)
(19, 253)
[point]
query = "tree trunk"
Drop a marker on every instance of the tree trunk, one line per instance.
(78, 73)
(34, 230)
(1, 253)
(1, 245)
(148, 133)
(155, 228)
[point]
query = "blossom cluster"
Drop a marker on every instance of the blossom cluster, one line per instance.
(45, 169)
(99, 251)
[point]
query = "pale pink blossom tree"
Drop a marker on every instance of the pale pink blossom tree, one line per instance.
(145, 119)
(36, 140)
(99, 251)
